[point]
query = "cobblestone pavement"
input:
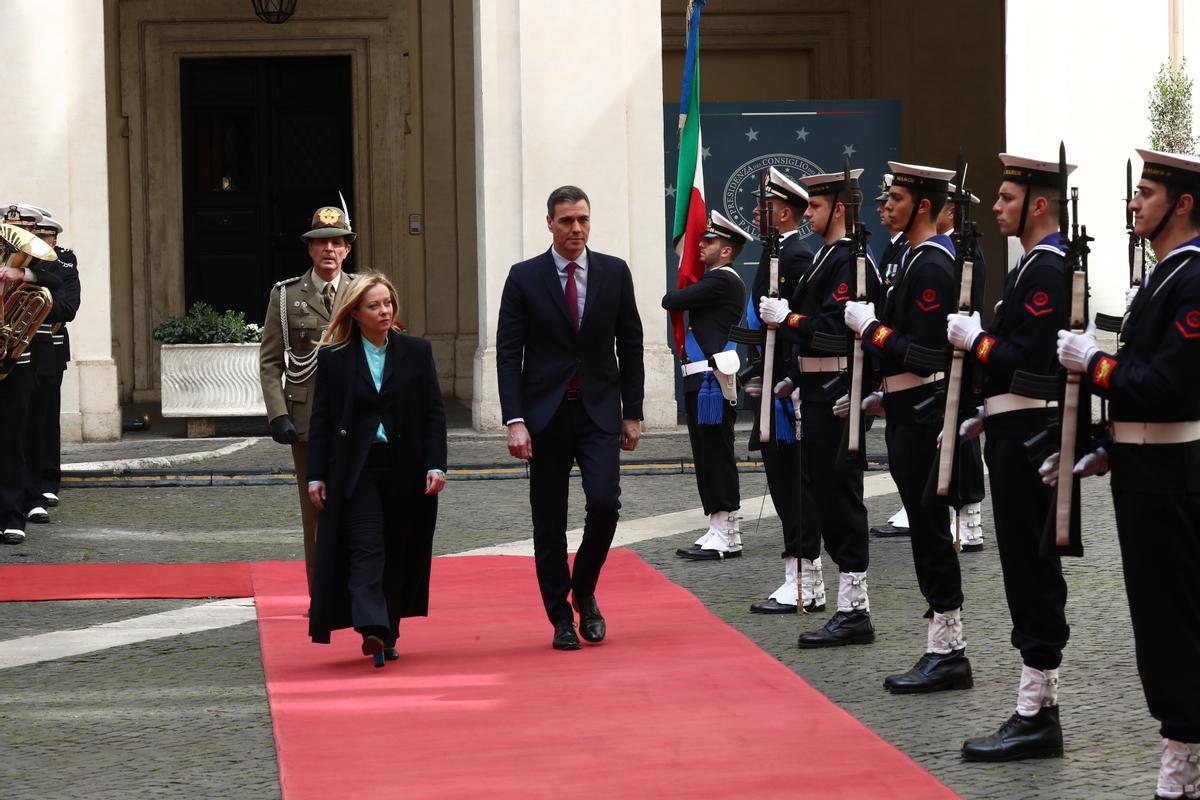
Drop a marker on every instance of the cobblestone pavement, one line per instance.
(187, 716)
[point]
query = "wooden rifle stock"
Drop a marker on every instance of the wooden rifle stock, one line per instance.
(856, 373)
(1070, 420)
(949, 446)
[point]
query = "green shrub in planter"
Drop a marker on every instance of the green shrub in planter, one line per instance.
(203, 325)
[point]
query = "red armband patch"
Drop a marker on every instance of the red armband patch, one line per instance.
(1038, 303)
(1189, 325)
(1102, 372)
(841, 293)
(983, 350)
(928, 301)
(881, 335)
(793, 320)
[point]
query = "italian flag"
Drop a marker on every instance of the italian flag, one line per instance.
(691, 217)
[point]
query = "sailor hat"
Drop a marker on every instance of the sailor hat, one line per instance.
(828, 182)
(917, 178)
(719, 226)
(1173, 169)
(786, 189)
(1031, 171)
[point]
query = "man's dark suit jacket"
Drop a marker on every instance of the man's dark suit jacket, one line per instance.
(537, 351)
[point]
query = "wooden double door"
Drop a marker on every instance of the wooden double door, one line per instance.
(266, 141)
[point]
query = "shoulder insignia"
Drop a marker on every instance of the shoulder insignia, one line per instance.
(1102, 372)
(289, 281)
(841, 293)
(1037, 303)
(928, 301)
(1189, 325)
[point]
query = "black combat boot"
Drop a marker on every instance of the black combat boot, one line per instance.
(1039, 736)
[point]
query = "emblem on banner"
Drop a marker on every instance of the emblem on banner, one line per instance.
(738, 199)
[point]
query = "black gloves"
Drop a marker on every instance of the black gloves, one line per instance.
(283, 430)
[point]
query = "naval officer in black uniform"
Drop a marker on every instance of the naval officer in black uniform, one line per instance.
(817, 307)
(793, 499)
(915, 314)
(1022, 336)
(1152, 385)
(714, 305)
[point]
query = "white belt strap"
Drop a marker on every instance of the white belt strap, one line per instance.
(694, 368)
(1004, 403)
(827, 364)
(1156, 432)
(907, 380)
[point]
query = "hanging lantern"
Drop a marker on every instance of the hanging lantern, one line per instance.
(276, 12)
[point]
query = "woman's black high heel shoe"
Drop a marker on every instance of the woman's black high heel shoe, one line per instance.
(373, 646)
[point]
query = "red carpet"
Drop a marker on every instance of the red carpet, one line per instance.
(480, 706)
(26, 582)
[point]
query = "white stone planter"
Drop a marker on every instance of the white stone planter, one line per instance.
(211, 380)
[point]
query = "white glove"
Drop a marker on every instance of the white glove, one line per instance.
(859, 315)
(753, 388)
(873, 403)
(971, 428)
(773, 310)
(1049, 470)
(1075, 350)
(1130, 293)
(783, 388)
(1094, 463)
(841, 406)
(962, 331)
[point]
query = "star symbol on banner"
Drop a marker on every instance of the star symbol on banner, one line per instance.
(848, 151)
(752, 135)
(802, 135)
(705, 152)
(671, 191)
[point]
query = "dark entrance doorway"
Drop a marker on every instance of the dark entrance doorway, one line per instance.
(266, 141)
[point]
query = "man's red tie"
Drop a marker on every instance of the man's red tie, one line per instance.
(572, 293)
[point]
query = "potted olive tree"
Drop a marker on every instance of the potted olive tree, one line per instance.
(209, 367)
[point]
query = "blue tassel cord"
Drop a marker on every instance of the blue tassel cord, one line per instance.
(785, 421)
(710, 403)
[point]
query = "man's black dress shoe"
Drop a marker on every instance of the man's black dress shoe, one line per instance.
(933, 672)
(391, 654)
(564, 636)
(707, 555)
(373, 646)
(1039, 736)
(591, 623)
(972, 548)
(888, 529)
(38, 515)
(844, 627)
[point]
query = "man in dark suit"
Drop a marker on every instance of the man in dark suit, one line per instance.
(571, 380)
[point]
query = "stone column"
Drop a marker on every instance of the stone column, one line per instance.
(570, 94)
(54, 131)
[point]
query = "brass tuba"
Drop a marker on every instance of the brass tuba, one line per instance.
(23, 306)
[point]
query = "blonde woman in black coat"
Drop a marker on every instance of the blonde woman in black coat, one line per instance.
(377, 461)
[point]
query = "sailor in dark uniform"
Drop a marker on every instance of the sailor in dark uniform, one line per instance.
(1021, 336)
(966, 523)
(16, 390)
(792, 498)
(889, 263)
(714, 305)
(914, 314)
(1152, 385)
(817, 307)
(51, 352)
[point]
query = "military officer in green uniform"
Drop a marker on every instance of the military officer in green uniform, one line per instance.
(297, 315)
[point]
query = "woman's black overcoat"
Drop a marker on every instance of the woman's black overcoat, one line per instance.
(346, 413)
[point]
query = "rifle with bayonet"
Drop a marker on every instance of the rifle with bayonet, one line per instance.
(1136, 254)
(1075, 418)
(770, 239)
(856, 455)
(965, 238)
